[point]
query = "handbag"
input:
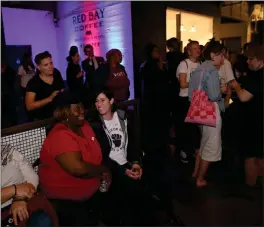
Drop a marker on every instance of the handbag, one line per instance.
(201, 111)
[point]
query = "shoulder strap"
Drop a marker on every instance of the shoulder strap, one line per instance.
(201, 78)
(186, 63)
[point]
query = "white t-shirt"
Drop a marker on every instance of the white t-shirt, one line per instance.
(25, 76)
(15, 169)
(226, 73)
(118, 151)
(183, 68)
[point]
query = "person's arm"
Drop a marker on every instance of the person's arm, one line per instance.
(26, 168)
(31, 104)
(228, 95)
(21, 72)
(73, 164)
(65, 150)
(182, 73)
(213, 86)
(7, 193)
(229, 71)
(243, 94)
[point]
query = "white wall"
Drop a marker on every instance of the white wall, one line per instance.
(234, 30)
(203, 25)
(30, 27)
(109, 23)
(110, 27)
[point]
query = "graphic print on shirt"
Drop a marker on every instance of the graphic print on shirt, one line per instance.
(118, 145)
(116, 136)
(118, 74)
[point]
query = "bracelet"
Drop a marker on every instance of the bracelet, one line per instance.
(20, 199)
(15, 190)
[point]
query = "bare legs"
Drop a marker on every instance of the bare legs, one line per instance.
(197, 164)
(200, 182)
(200, 170)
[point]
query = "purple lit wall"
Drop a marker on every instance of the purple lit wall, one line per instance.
(30, 27)
(104, 25)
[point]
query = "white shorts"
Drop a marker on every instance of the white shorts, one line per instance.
(211, 143)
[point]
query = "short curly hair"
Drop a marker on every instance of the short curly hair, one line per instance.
(111, 53)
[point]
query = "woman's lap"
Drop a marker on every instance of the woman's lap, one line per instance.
(75, 213)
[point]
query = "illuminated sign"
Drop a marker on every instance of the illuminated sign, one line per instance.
(104, 25)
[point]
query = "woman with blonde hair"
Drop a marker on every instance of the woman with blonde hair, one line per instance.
(113, 76)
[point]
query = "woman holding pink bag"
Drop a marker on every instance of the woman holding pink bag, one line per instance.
(205, 82)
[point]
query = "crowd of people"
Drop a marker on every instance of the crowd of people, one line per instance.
(92, 166)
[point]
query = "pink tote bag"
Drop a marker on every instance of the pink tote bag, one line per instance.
(202, 111)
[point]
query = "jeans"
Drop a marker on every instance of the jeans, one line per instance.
(39, 219)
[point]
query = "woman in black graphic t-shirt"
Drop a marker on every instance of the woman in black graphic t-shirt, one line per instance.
(42, 88)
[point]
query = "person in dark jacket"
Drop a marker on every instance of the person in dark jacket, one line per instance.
(90, 64)
(121, 154)
(113, 76)
(156, 105)
(174, 56)
(74, 73)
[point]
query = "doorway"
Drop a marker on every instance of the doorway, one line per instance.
(14, 55)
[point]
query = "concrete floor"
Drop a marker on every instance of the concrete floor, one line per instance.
(222, 204)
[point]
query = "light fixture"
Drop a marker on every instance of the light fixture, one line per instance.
(193, 29)
(182, 28)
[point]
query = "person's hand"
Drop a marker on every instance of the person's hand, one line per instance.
(19, 210)
(80, 74)
(53, 95)
(233, 83)
(107, 176)
(137, 169)
(131, 174)
(25, 190)
(224, 89)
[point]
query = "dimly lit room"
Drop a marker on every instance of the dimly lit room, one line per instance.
(132, 113)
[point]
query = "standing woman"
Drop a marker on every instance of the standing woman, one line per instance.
(26, 71)
(113, 76)
(211, 144)
(74, 73)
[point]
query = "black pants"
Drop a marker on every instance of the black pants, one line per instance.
(130, 204)
(78, 213)
(187, 134)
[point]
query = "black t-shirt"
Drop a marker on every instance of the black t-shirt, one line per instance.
(254, 108)
(42, 91)
(75, 84)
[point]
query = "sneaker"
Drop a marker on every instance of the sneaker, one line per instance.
(184, 157)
